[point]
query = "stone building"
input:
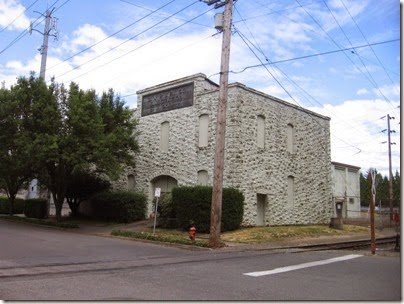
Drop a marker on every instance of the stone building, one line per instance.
(277, 153)
(346, 188)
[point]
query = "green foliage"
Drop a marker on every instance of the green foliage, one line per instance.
(36, 208)
(382, 189)
(160, 238)
(122, 206)
(192, 206)
(167, 216)
(15, 130)
(50, 131)
(41, 222)
(81, 186)
(232, 209)
(18, 205)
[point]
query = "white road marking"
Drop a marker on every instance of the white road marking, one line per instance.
(300, 266)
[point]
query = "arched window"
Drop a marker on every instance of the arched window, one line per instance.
(131, 182)
(261, 131)
(164, 136)
(203, 130)
(202, 177)
(290, 138)
(291, 191)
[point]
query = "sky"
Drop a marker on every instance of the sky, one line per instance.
(338, 58)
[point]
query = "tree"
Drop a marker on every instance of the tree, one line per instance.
(75, 130)
(15, 165)
(382, 188)
(397, 188)
(82, 186)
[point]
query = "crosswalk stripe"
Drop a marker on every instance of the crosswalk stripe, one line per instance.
(301, 266)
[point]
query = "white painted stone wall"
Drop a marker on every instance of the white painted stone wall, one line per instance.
(252, 169)
(346, 188)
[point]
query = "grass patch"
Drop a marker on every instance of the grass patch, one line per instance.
(176, 238)
(42, 222)
(256, 235)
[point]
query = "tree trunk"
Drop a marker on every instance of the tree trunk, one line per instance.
(74, 206)
(58, 200)
(11, 200)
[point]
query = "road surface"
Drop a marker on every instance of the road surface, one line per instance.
(41, 263)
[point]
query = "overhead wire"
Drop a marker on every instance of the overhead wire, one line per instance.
(370, 77)
(148, 42)
(166, 14)
(290, 79)
(111, 35)
(364, 37)
(16, 18)
(164, 57)
(245, 39)
(26, 31)
(360, 58)
(124, 42)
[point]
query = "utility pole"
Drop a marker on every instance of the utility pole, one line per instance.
(50, 25)
(389, 143)
(372, 176)
(217, 191)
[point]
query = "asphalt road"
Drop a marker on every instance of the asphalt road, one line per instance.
(38, 263)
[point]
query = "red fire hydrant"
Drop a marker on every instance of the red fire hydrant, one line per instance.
(192, 232)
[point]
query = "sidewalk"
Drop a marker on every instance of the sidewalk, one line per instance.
(105, 230)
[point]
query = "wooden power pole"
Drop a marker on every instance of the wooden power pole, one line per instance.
(217, 191)
(390, 170)
(372, 176)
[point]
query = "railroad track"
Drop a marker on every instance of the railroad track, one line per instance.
(358, 244)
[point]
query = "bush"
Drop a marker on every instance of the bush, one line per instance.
(18, 206)
(36, 208)
(192, 206)
(167, 216)
(121, 206)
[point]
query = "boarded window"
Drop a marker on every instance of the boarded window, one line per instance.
(131, 182)
(203, 130)
(164, 136)
(291, 191)
(290, 138)
(202, 177)
(261, 131)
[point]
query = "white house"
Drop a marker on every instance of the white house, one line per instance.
(346, 188)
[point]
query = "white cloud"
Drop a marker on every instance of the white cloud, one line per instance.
(362, 92)
(12, 15)
(356, 134)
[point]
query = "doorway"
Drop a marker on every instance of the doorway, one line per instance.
(261, 209)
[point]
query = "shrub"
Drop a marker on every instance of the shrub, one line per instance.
(81, 187)
(121, 206)
(167, 217)
(36, 208)
(18, 206)
(192, 206)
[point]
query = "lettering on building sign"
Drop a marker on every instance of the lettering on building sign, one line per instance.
(167, 100)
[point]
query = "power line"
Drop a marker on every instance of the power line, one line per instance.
(312, 55)
(122, 43)
(32, 4)
(363, 35)
(360, 58)
(166, 14)
(150, 41)
(112, 35)
(26, 31)
(161, 58)
(370, 78)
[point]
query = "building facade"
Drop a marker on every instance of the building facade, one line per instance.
(276, 153)
(346, 188)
